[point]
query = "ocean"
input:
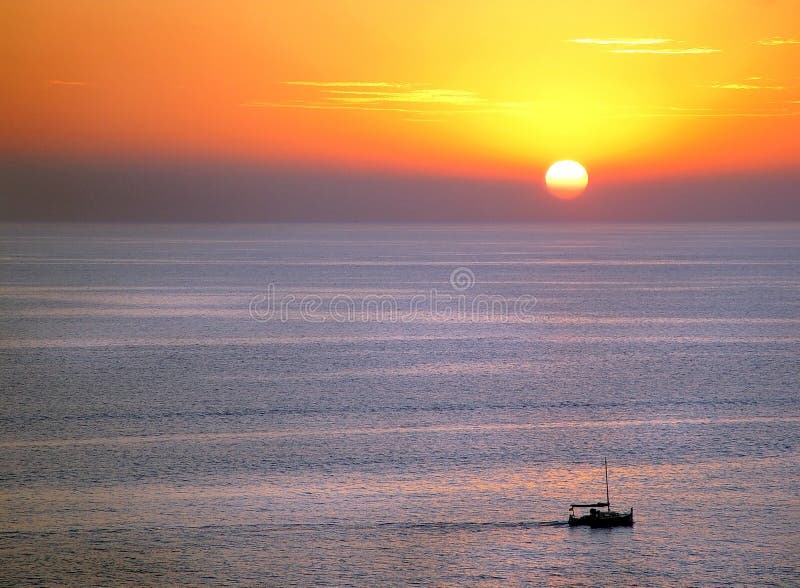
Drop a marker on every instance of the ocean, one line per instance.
(370, 405)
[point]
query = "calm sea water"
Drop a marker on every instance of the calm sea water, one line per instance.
(388, 405)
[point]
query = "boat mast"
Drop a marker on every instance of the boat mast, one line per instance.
(608, 500)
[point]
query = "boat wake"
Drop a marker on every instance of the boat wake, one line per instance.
(470, 525)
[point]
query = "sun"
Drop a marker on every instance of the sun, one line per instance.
(566, 179)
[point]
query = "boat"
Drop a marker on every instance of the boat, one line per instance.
(597, 518)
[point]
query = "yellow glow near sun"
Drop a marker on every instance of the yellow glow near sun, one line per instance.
(566, 179)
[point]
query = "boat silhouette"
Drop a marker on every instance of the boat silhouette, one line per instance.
(597, 518)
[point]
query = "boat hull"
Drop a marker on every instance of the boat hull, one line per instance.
(603, 519)
(613, 519)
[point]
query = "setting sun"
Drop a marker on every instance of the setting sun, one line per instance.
(566, 179)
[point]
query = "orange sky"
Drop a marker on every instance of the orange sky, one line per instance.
(496, 89)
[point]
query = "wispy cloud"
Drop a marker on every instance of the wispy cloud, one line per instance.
(744, 87)
(390, 97)
(780, 110)
(668, 51)
(621, 41)
(67, 83)
(701, 112)
(303, 105)
(687, 109)
(645, 45)
(418, 103)
(721, 115)
(419, 96)
(347, 84)
(774, 41)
